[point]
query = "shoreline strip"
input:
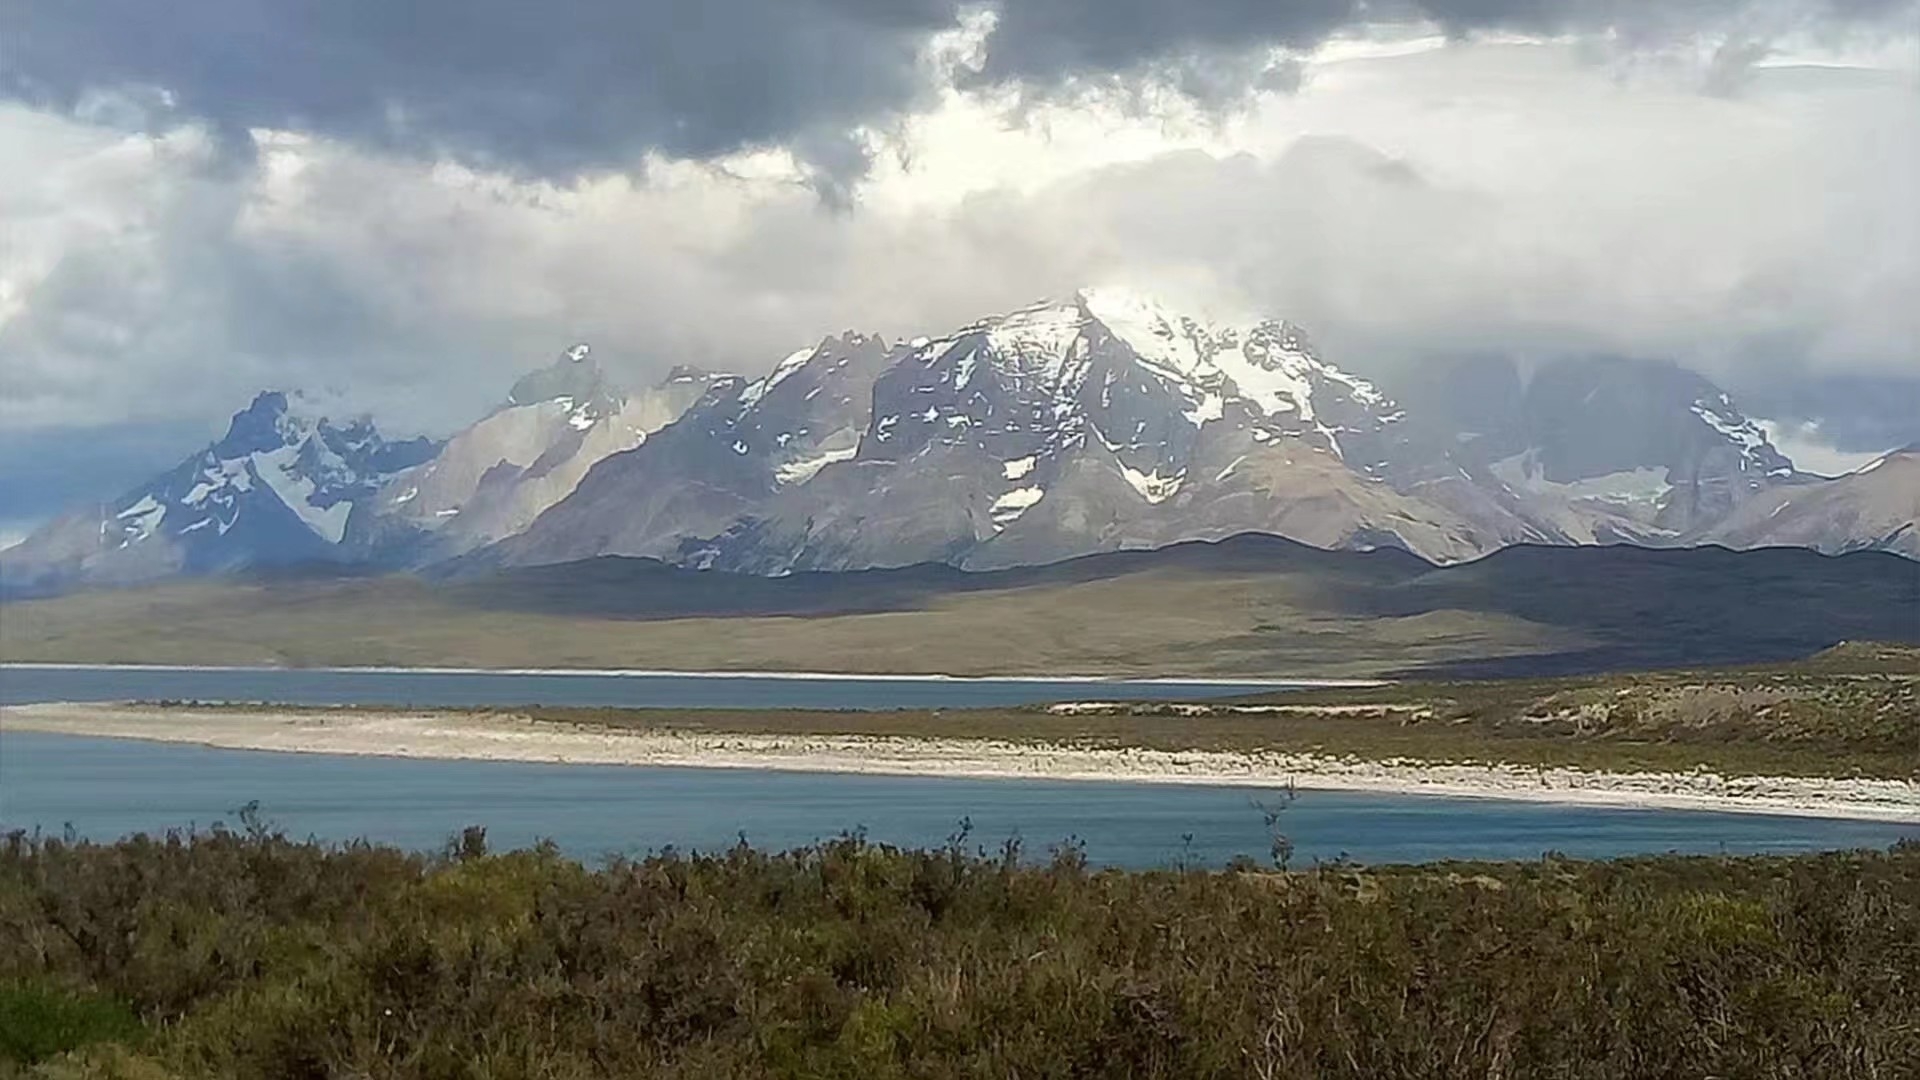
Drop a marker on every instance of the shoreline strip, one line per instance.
(460, 736)
(798, 676)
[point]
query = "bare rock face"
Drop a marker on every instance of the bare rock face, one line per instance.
(1876, 507)
(1100, 422)
(494, 478)
(1107, 421)
(1103, 421)
(282, 487)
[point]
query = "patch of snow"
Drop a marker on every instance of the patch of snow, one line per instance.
(801, 470)
(1158, 338)
(1039, 342)
(406, 496)
(1152, 486)
(1646, 487)
(280, 470)
(1210, 407)
(1741, 431)
(142, 518)
(963, 371)
(1228, 471)
(785, 368)
(884, 429)
(1276, 381)
(1018, 467)
(448, 512)
(201, 524)
(1008, 508)
(739, 447)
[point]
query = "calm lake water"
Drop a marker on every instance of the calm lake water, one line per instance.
(334, 686)
(106, 788)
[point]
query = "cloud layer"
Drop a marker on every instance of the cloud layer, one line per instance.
(413, 202)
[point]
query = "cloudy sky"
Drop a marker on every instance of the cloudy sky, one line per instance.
(406, 204)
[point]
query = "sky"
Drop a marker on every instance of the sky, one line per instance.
(405, 205)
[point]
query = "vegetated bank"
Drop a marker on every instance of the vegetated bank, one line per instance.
(244, 954)
(1836, 735)
(1849, 711)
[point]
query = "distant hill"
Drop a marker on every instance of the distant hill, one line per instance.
(1248, 605)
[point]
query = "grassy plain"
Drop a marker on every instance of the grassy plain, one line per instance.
(1249, 606)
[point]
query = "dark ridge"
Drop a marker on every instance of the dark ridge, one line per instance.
(1646, 607)
(644, 588)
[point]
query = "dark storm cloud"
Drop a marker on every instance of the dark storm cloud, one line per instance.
(553, 89)
(1045, 43)
(560, 89)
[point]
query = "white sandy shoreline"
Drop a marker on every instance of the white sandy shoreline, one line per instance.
(495, 737)
(658, 673)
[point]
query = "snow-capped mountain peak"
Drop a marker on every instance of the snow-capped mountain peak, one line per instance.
(284, 444)
(1758, 455)
(278, 487)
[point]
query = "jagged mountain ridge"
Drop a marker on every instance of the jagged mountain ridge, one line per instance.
(288, 485)
(1107, 421)
(492, 479)
(279, 488)
(1104, 421)
(1876, 507)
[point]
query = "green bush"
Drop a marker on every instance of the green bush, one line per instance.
(247, 955)
(38, 1021)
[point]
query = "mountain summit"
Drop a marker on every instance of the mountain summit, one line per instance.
(1105, 420)
(492, 479)
(279, 488)
(1101, 421)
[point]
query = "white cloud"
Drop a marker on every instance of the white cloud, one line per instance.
(1535, 197)
(1811, 451)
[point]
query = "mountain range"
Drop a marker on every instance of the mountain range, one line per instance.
(1100, 422)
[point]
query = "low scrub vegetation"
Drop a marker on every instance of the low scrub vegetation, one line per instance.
(1738, 722)
(245, 954)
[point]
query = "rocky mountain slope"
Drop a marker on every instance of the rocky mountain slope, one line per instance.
(288, 486)
(1108, 421)
(281, 487)
(494, 478)
(1874, 508)
(1101, 422)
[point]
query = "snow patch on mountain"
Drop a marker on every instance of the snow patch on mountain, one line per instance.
(141, 519)
(802, 469)
(1152, 486)
(281, 470)
(1041, 342)
(1170, 343)
(781, 372)
(1007, 508)
(1757, 454)
(1641, 488)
